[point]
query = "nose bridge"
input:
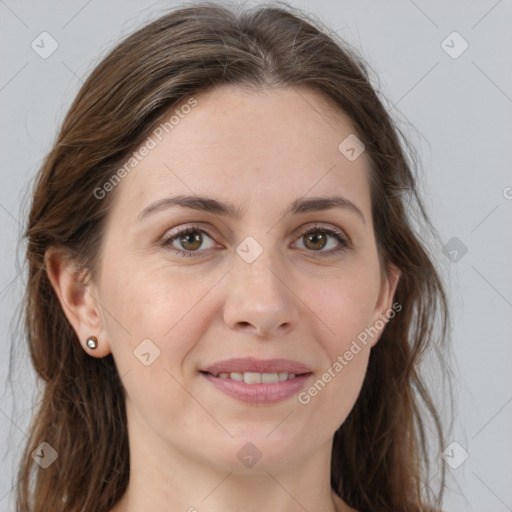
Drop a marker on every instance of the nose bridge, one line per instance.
(259, 294)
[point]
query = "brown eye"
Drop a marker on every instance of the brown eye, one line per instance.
(187, 241)
(317, 238)
(191, 241)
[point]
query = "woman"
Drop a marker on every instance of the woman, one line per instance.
(276, 366)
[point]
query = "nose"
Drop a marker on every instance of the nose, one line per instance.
(260, 299)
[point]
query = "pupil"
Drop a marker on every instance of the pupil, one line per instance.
(315, 239)
(191, 237)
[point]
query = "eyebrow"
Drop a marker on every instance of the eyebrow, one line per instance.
(210, 205)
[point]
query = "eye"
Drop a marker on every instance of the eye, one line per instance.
(191, 238)
(316, 237)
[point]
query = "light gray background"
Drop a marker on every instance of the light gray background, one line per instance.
(461, 113)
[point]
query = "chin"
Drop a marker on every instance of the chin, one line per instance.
(254, 451)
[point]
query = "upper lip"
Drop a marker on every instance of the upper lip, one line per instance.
(249, 364)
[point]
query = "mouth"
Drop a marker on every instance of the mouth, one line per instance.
(256, 377)
(257, 381)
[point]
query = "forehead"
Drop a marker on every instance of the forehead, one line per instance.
(264, 147)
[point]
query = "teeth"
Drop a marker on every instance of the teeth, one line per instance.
(256, 377)
(269, 378)
(252, 378)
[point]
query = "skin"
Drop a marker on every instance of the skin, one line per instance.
(259, 151)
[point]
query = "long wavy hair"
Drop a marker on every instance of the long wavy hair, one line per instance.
(381, 453)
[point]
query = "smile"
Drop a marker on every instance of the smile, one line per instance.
(258, 388)
(256, 377)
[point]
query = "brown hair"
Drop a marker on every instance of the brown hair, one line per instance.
(380, 453)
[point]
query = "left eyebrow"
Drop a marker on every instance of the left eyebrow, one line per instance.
(210, 205)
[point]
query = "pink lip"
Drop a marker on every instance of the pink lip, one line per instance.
(259, 393)
(249, 364)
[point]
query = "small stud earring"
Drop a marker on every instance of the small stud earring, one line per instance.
(92, 342)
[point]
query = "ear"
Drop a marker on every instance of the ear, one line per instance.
(384, 309)
(77, 299)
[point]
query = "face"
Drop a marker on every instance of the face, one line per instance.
(267, 284)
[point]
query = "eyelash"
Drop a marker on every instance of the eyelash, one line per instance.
(337, 235)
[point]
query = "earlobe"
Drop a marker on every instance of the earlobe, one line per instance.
(77, 300)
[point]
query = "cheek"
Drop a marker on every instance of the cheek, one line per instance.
(154, 303)
(345, 310)
(153, 324)
(325, 404)
(332, 395)
(344, 306)
(156, 321)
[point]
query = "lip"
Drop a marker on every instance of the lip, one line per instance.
(250, 364)
(258, 393)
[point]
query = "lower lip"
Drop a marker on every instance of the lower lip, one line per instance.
(259, 393)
